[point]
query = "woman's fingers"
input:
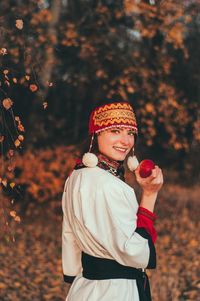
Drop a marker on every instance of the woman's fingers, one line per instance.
(158, 181)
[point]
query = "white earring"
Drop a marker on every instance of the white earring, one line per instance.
(89, 159)
(132, 162)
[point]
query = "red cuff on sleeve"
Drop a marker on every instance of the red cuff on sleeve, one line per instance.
(145, 220)
(147, 213)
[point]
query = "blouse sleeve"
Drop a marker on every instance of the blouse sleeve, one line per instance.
(71, 254)
(116, 209)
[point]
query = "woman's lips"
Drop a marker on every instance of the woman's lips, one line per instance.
(120, 149)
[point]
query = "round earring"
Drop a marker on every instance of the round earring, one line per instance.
(132, 162)
(89, 159)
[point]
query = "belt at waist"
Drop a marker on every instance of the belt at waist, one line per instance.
(95, 268)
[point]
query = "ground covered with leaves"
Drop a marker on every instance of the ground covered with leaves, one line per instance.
(31, 266)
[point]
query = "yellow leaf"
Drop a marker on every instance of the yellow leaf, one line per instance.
(17, 142)
(12, 184)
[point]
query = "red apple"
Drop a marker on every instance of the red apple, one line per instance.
(146, 167)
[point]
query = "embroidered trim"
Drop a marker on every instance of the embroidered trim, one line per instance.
(118, 126)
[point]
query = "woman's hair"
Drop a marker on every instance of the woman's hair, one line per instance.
(85, 145)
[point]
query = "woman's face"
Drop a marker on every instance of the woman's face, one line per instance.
(116, 143)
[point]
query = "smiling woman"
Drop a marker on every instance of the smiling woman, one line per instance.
(107, 239)
(116, 143)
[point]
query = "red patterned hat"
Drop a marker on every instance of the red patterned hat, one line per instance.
(117, 114)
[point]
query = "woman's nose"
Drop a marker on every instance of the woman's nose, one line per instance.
(125, 139)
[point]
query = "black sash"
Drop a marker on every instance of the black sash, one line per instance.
(95, 268)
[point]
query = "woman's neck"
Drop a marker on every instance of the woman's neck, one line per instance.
(114, 167)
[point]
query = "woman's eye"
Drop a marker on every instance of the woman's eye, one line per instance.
(131, 133)
(115, 131)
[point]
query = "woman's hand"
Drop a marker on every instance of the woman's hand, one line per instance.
(151, 184)
(150, 187)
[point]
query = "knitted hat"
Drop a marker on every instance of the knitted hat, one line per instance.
(117, 114)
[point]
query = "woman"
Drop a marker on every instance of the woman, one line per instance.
(107, 240)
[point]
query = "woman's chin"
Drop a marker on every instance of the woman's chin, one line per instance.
(119, 156)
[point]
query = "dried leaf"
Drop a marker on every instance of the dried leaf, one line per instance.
(11, 153)
(45, 104)
(21, 128)
(17, 219)
(17, 118)
(3, 51)
(21, 138)
(19, 24)
(130, 89)
(3, 285)
(33, 87)
(6, 71)
(17, 143)
(4, 183)
(27, 77)
(149, 108)
(7, 83)
(7, 103)
(10, 168)
(12, 184)
(13, 213)
(1, 138)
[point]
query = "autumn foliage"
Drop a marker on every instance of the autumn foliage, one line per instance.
(38, 177)
(75, 55)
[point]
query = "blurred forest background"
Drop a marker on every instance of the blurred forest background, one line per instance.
(58, 60)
